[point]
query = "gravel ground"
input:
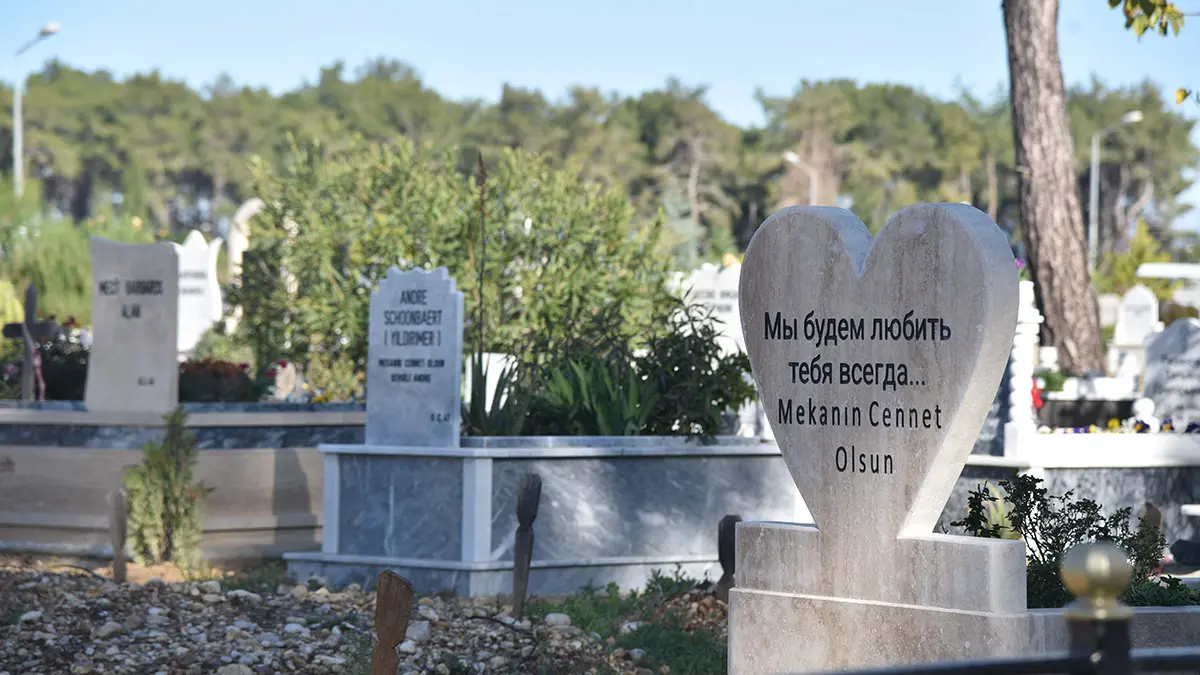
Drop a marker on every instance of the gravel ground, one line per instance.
(79, 622)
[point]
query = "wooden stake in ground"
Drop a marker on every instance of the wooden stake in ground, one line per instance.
(118, 526)
(726, 550)
(393, 604)
(528, 498)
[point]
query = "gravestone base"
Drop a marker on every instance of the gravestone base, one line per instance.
(796, 608)
(488, 579)
(774, 634)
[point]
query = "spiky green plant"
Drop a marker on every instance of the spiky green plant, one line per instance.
(165, 504)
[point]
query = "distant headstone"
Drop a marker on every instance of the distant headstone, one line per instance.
(414, 360)
(134, 364)
(716, 288)
(200, 304)
(1137, 317)
(1173, 372)
(877, 360)
(1110, 308)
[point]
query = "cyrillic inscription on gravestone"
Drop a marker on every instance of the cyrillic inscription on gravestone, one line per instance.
(414, 360)
(134, 365)
(1173, 372)
(877, 360)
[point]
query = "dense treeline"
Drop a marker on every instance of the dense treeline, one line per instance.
(155, 148)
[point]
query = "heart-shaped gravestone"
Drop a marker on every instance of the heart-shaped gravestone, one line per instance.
(877, 360)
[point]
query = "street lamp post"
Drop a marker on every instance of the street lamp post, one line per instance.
(18, 126)
(1131, 117)
(814, 178)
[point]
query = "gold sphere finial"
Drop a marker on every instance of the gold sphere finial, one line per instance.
(1096, 574)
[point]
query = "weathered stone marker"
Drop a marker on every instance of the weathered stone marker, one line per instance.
(727, 554)
(877, 361)
(118, 524)
(529, 497)
(1173, 372)
(414, 360)
(134, 364)
(393, 604)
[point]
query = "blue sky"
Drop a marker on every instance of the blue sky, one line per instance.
(470, 48)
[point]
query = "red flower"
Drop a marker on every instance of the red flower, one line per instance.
(281, 364)
(244, 366)
(270, 372)
(1037, 397)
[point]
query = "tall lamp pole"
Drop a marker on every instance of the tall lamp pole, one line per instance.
(814, 178)
(18, 126)
(1131, 117)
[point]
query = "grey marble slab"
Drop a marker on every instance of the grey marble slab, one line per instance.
(1167, 488)
(263, 406)
(409, 508)
(605, 441)
(207, 438)
(601, 508)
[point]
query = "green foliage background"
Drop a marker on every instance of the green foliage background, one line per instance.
(558, 249)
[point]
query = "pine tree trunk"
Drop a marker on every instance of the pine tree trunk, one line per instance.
(1051, 217)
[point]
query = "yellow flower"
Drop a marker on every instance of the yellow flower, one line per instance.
(1092, 428)
(1114, 424)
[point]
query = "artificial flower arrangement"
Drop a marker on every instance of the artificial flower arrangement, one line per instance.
(1129, 426)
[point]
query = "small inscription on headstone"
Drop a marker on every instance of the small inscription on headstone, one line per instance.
(716, 288)
(1173, 372)
(414, 360)
(1137, 317)
(134, 364)
(200, 305)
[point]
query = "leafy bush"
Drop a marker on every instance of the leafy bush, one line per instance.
(55, 255)
(693, 384)
(211, 380)
(165, 505)
(557, 249)
(592, 396)
(1050, 525)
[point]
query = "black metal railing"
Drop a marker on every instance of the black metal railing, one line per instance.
(1098, 624)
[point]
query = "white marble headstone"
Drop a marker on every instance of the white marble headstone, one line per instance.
(414, 360)
(716, 288)
(1173, 372)
(877, 359)
(134, 364)
(200, 303)
(1137, 317)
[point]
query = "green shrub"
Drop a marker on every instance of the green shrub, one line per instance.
(558, 250)
(55, 256)
(693, 384)
(1050, 525)
(593, 396)
(165, 504)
